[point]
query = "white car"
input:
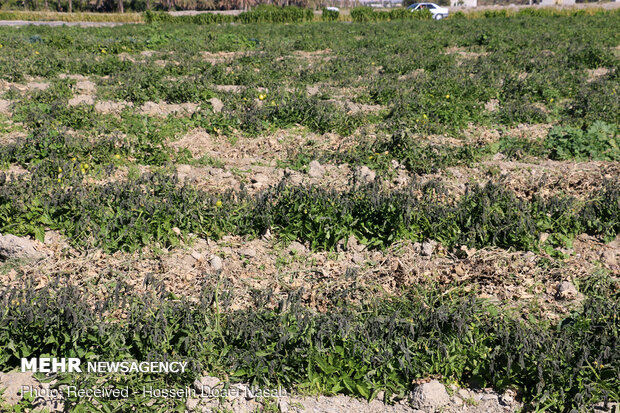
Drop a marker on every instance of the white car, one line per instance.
(438, 12)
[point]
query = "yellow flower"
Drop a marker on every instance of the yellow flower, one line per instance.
(551, 100)
(59, 169)
(424, 116)
(447, 96)
(36, 52)
(262, 96)
(0, 45)
(74, 159)
(218, 204)
(117, 156)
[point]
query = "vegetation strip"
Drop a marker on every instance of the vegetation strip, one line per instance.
(383, 346)
(128, 215)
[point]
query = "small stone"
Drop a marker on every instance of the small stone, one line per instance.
(296, 179)
(610, 257)
(417, 247)
(267, 235)
(283, 405)
(358, 258)
(428, 248)
(508, 397)
(216, 263)
(18, 247)
(177, 231)
(353, 108)
(430, 397)
(464, 394)
(51, 237)
(566, 291)
(468, 251)
(196, 255)
(401, 179)
(216, 105)
(206, 383)
(459, 270)
(353, 244)
(248, 252)
(609, 407)
(296, 248)
(192, 404)
(499, 156)
(367, 174)
(315, 169)
(490, 397)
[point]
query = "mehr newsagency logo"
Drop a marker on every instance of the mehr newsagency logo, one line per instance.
(74, 365)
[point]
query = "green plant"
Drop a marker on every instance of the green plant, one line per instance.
(600, 141)
(330, 15)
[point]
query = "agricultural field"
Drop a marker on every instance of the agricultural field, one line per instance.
(355, 212)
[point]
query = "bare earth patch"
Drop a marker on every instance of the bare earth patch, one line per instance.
(221, 57)
(81, 100)
(5, 107)
(594, 74)
(110, 106)
(164, 109)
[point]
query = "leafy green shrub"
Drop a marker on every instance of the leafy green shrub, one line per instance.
(290, 109)
(275, 14)
(517, 111)
(600, 141)
(495, 13)
(590, 56)
(262, 14)
(202, 18)
(368, 14)
(597, 100)
(330, 15)
(364, 14)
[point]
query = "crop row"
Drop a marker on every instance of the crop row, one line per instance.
(382, 346)
(145, 140)
(502, 75)
(601, 142)
(145, 210)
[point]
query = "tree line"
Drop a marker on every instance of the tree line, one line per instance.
(155, 5)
